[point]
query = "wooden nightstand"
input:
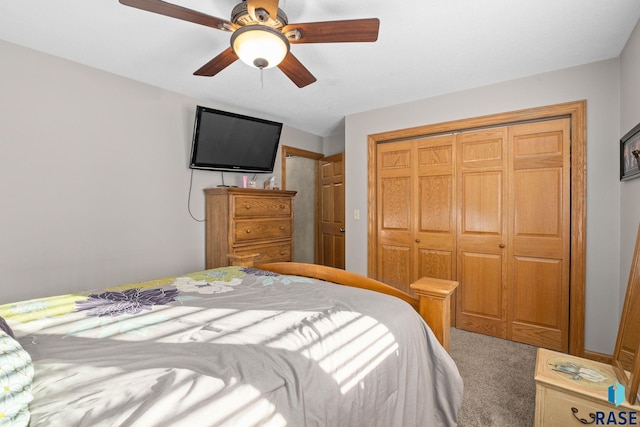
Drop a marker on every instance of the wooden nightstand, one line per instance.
(567, 399)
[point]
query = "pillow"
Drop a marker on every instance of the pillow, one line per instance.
(16, 376)
(4, 326)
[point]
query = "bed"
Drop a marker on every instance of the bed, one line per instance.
(280, 344)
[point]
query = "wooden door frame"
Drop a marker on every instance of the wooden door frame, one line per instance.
(576, 111)
(293, 151)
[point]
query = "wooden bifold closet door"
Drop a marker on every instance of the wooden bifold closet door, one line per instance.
(416, 218)
(491, 209)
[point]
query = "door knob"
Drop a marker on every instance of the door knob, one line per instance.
(342, 229)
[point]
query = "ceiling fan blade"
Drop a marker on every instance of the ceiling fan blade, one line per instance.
(355, 30)
(179, 12)
(297, 72)
(271, 6)
(217, 64)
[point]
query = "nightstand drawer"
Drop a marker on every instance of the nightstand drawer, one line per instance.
(247, 231)
(562, 409)
(250, 206)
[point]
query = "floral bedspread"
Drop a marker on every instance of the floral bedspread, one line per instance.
(233, 346)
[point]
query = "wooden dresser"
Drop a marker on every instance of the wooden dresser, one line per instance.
(246, 226)
(566, 399)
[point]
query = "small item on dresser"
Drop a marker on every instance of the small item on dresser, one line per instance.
(271, 184)
(244, 181)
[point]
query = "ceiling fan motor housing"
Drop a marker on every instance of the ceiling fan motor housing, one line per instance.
(240, 16)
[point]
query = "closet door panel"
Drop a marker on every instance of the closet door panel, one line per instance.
(539, 257)
(537, 298)
(533, 187)
(436, 263)
(396, 193)
(396, 265)
(482, 268)
(435, 214)
(538, 223)
(435, 195)
(482, 204)
(395, 216)
(395, 255)
(483, 290)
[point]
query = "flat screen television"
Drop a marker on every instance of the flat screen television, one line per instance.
(232, 142)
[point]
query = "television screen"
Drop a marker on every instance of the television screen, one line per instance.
(232, 142)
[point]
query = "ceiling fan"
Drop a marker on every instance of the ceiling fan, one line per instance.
(261, 35)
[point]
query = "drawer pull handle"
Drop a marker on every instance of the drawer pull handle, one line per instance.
(248, 230)
(247, 206)
(282, 227)
(283, 253)
(283, 206)
(582, 420)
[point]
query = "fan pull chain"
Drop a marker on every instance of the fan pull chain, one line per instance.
(261, 78)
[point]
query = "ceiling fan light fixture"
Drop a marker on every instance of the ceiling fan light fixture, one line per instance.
(260, 46)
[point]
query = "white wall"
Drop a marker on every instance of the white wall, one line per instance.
(94, 179)
(333, 144)
(598, 83)
(629, 190)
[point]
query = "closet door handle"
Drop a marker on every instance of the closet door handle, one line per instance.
(342, 229)
(501, 245)
(417, 240)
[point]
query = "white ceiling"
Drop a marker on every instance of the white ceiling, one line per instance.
(425, 48)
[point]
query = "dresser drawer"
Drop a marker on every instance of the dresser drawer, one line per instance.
(254, 206)
(247, 231)
(268, 253)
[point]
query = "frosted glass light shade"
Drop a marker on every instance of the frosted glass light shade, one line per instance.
(259, 46)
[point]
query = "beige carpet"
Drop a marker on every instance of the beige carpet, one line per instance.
(499, 389)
